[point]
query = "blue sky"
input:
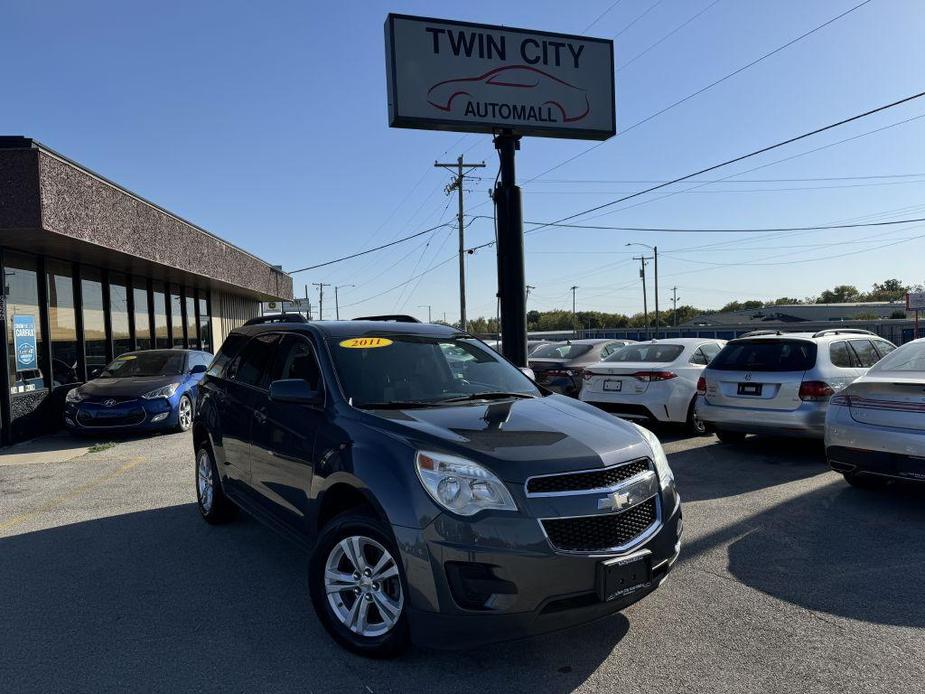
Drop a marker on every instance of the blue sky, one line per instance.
(269, 128)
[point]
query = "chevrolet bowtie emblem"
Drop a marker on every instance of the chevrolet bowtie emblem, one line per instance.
(614, 502)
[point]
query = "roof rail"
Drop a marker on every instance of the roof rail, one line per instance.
(756, 333)
(392, 317)
(278, 318)
(843, 331)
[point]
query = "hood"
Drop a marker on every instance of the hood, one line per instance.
(124, 387)
(520, 438)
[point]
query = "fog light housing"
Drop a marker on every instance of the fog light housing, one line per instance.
(160, 417)
(475, 587)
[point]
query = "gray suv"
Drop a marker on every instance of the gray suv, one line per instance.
(771, 382)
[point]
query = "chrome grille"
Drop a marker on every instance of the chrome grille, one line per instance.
(586, 481)
(602, 532)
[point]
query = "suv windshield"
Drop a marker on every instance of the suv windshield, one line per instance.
(647, 353)
(399, 370)
(766, 355)
(563, 351)
(145, 364)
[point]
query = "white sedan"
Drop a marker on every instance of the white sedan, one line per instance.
(652, 381)
(875, 428)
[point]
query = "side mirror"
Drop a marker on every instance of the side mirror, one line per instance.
(94, 373)
(528, 372)
(198, 369)
(295, 390)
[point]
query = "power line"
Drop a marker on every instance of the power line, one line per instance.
(705, 88)
(665, 37)
(602, 14)
(369, 250)
(741, 180)
(742, 157)
(644, 13)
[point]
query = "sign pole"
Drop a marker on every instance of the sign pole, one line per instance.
(511, 277)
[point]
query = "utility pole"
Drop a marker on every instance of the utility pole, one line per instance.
(457, 184)
(427, 306)
(336, 302)
(573, 288)
(674, 305)
(321, 286)
(645, 308)
(308, 302)
(655, 253)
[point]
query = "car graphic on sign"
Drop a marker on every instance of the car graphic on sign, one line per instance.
(570, 103)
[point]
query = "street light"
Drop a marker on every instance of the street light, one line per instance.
(427, 306)
(654, 250)
(336, 304)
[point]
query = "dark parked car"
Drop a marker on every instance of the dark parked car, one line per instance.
(444, 499)
(151, 390)
(560, 366)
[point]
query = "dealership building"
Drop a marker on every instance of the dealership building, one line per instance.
(92, 270)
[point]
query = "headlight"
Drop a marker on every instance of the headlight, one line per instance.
(461, 486)
(164, 392)
(665, 475)
(74, 395)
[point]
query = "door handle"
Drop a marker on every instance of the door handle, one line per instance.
(260, 416)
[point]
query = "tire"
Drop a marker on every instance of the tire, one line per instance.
(184, 413)
(731, 437)
(863, 481)
(695, 425)
(211, 501)
(349, 535)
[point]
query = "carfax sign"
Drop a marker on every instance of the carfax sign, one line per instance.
(24, 342)
(445, 75)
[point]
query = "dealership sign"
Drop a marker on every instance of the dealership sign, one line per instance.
(24, 345)
(445, 75)
(915, 301)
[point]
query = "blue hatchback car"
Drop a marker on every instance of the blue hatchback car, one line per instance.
(139, 391)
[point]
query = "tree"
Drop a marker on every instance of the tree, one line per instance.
(842, 294)
(785, 301)
(742, 306)
(889, 290)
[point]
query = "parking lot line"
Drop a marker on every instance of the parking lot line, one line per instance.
(77, 491)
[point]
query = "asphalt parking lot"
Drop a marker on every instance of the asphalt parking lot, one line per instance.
(789, 580)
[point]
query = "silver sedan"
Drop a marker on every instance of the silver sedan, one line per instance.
(875, 428)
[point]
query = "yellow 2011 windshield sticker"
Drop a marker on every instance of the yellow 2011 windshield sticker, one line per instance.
(365, 342)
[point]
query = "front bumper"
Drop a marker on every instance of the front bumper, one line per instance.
(807, 420)
(135, 415)
(553, 589)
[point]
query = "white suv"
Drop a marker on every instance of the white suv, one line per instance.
(771, 382)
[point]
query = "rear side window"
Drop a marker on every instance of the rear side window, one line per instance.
(252, 365)
(842, 356)
(884, 347)
(766, 355)
(866, 353)
(710, 350)
(230, 348)
(699, 357)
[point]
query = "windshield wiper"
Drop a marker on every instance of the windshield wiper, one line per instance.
(393, 405)
(488, 396)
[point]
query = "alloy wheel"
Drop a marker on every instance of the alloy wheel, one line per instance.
(363, 586)
(204, 481)
(185, 413)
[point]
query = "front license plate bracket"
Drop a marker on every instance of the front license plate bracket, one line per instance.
(623, 576)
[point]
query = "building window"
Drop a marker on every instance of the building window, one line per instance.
(25, 343)
(62, 323)
(91, 293)
(118, 315)
(176, 316)
(205, 322)
(191, 339)
(161, 336)
(142, 326)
